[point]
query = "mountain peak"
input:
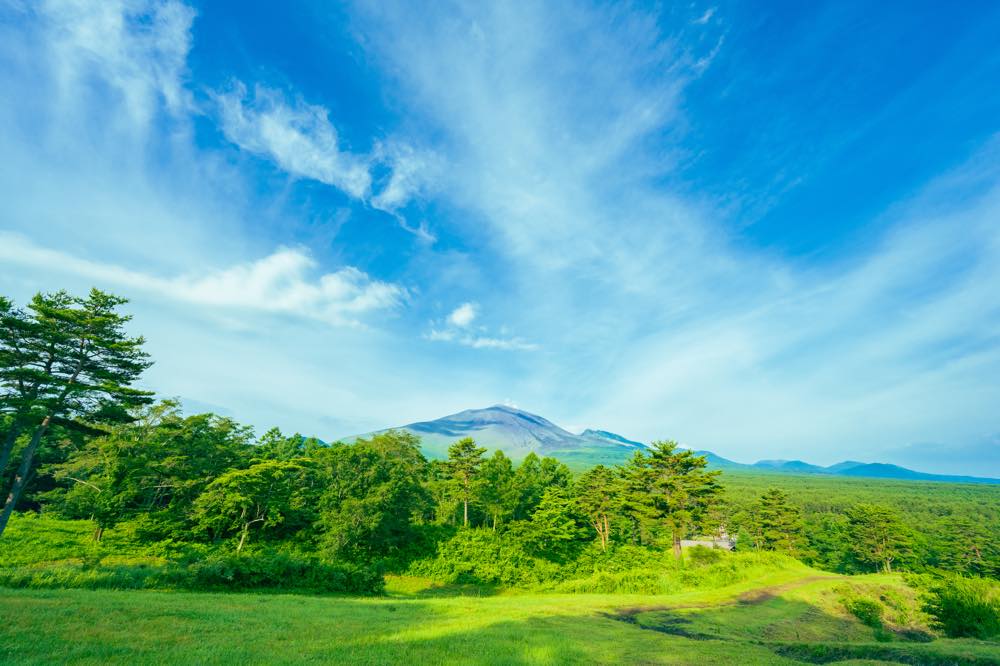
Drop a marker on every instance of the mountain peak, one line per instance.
(517, 433)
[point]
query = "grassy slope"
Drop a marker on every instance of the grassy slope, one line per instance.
(417, 625)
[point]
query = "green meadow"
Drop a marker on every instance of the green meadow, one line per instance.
(794, 615)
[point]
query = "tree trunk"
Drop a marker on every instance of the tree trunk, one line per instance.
(243, 537)
(8, 445)
(465, 516)
(22, 473)
(677, 545)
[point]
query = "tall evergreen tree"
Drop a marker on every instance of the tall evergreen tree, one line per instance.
(680, 490)
(498, 494)
(23, 371)
(553, 526)
(598, 496)
(76, 360)
(636, 484)
(464, 460)
(777, 525)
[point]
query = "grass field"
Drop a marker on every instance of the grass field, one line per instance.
(790, 616)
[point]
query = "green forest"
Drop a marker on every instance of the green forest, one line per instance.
(109, 488)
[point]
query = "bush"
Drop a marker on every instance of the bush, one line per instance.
(270, 570)
(701, 556)
(77, 576)
(639, 581)
(965, 607)
(662, 574)
(867, 610)
(265, 571)
(484, 556)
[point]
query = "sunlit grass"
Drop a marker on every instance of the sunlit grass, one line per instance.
(415, 624)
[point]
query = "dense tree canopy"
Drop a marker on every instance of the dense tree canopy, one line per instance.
(80, 441)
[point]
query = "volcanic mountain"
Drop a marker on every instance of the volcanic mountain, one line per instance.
(518, 433)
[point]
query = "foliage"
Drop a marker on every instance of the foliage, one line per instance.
(464, 461)
(274, 570)
(598, 495)
(264, 496)
(965, 607)
(950, 526)
(669, 491)
(878, 536)
(369, 495)
(869, 611)
(68, 359)
(156, 466)
(485, 556)
(776, 524)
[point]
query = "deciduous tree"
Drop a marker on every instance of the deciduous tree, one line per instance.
(261, 497)
(877, 535)
(598, 496)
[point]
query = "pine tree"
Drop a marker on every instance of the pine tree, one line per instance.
(499, 495)
(672, 487)
(71, 358)
(464, 461)
(777, 524)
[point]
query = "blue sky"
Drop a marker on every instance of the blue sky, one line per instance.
(768, 230)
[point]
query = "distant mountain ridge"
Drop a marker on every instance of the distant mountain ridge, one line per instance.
(851, 468)
(518, 433)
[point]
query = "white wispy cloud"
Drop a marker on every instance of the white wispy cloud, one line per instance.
(110, 185)
(475, 341)
(458, 329)
(656, 320)
(301, 139)
(281, 283)
(298, 137)
(412, 174)
(706, 17)
(139, 47)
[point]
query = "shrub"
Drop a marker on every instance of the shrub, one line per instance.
(639, 581)
(700, 555)
(663, 575)
(965, 607)
(869, 611)
(266, 571)
(485, 556)
(89, 577)
(271, 570)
